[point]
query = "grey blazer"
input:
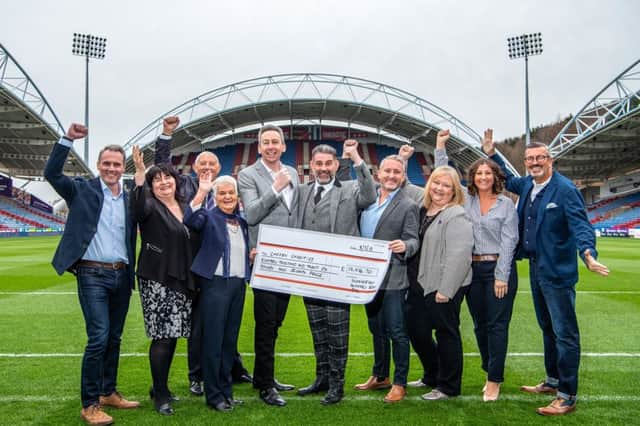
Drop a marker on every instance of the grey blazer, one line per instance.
(445, 258)
(399, 221)
(347, 200)
(261, 204)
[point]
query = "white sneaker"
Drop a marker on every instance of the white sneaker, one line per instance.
(417, 384)
(435, 395)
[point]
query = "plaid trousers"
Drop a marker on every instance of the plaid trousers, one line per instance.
(329, 323)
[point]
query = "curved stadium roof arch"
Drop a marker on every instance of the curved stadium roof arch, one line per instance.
(28, 125)
(603, 138)
(317, 99)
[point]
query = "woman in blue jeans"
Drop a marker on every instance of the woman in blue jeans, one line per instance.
(494, 282)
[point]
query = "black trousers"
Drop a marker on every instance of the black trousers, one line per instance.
(269, 310)
(222, 302)
(423, 343)
(491, 317)
(446, 360)
(194, 347)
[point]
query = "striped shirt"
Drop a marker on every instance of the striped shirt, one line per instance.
(494, 233)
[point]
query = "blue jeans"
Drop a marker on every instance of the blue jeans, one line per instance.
(387, 322)
(104, 296)
(556, 313)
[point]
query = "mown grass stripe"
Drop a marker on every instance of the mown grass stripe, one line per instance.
(62, 293)
(348, 398)
(310, 354)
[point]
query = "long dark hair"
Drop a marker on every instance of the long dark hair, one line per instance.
(167, 170)
(498, 176)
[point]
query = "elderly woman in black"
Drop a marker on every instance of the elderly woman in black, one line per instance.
(222, 268)
(165, 282)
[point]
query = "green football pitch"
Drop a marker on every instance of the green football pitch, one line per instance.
(42, 340)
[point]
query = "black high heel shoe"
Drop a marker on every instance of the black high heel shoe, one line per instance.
(173, 396)
(163, 408)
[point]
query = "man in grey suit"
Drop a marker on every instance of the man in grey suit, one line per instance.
(328, 205)
(393, 217)
(269, 192)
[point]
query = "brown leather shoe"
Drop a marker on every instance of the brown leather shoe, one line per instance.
(558, 407)
(93, 415)
(542, 387)
(396, 394)
(116, 400)
(372, 383)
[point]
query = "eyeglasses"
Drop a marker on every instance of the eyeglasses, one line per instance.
(537, 158)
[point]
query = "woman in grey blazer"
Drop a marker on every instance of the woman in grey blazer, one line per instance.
(445, 268)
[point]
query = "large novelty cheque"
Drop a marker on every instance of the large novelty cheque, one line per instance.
(339, 268)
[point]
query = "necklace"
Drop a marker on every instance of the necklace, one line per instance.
(233, 226)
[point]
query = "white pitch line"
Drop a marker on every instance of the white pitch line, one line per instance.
(347, 399)
(310, 354)
(66, 293)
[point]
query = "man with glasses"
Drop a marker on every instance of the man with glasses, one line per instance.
(553, 227)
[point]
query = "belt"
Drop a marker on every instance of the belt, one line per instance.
(484, 257)
(104, 265)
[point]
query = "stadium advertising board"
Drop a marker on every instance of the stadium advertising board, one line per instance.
(5, 186)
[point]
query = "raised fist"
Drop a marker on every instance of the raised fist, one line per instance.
(441, 138)
(169, 124)
(406, 151)
(350, 150)
(76, 131)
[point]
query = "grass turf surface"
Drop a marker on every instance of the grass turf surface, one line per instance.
(38, 388)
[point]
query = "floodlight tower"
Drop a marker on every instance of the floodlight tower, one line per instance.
(525, 45)
(89, 46)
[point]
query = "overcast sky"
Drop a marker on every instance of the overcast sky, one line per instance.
(451, 53)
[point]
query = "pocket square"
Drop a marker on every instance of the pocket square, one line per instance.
(551, 206)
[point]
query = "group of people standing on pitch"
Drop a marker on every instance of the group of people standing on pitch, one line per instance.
(198, 241)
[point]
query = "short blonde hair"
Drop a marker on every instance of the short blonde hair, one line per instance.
(458, 194)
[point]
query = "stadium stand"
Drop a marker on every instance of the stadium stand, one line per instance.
(16, 216)
(619, 212)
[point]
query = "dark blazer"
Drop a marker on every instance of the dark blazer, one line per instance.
(562, 227)
(84, 199)
(214, 239)
(166, 248)
(399, 221)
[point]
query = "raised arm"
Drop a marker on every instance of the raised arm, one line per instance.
(163, 143)
(140, 207)
(440, 156)
(366, 190)
(513, 183)
(53, 171)
(195, 216)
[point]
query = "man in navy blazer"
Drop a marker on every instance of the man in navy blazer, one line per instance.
(98, 247)
(553, 228)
